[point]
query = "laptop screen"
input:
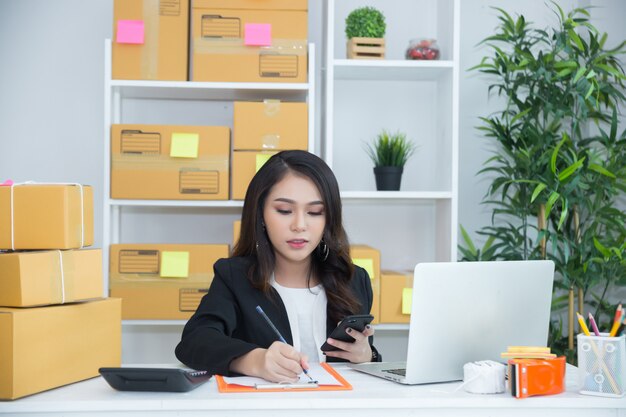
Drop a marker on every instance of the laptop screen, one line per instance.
(468, 311)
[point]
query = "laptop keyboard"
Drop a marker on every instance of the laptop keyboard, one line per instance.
(401, 372)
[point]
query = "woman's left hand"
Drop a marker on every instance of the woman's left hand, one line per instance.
(355, 352)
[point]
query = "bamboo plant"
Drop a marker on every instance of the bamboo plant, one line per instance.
(560, 165)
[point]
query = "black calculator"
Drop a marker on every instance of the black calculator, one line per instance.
(154, 379)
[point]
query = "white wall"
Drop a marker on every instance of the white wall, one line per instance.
(51, 100)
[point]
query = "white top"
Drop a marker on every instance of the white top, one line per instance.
(306, 311)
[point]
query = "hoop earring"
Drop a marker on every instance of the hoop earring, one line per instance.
(324, 249)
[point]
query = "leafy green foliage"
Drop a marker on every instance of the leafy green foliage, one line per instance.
(390, 149)
(560, 164)
(365, 22)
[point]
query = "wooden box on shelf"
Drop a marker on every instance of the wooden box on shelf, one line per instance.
(366, 48)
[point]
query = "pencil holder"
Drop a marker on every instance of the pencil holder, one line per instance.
(601, 365)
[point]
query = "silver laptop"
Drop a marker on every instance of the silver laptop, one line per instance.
(469, 311)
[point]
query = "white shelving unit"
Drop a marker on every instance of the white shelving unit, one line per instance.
(176, 102)
(420, 98)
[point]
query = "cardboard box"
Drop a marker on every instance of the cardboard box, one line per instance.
(46, 216)
(236, 231)
(150, 40)
(170, 162)
(50, 277)
(270, 125)
(245, 165)
(162, 281)
(369, 258)
(47, 347)
(396, 289)
(223, 49)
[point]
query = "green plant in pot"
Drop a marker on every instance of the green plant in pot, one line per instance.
(365, 30)
(389, 152)
(560, 167)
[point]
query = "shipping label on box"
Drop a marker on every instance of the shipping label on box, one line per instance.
(46, 216)
(245, 45)
(170, 162)
(150, 40)
(368, 258)
(396, 295)
(47, 347)
(162, 281)
(36, 278)
(270, 125)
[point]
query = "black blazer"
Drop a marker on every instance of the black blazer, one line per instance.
(226, 324)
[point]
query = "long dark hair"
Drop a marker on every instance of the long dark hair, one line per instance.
(335, 272)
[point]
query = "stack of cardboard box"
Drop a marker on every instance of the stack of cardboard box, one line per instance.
(229, 40)
(49, 335)
(261, 129)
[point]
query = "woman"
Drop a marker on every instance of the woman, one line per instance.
(292, 259)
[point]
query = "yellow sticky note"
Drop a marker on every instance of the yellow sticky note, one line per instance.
(367, 264)
(174, 264)
(407, 300)
(184, 145)
(261, 159)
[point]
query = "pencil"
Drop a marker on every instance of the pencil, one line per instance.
(620, 329)
(616, 321)
(280, 336)
(594, 326)
(583, 326)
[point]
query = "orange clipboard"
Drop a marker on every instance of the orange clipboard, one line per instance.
(222, 386)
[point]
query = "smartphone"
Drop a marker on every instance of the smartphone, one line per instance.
(356, 322)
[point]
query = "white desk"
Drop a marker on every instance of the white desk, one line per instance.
(370, 397)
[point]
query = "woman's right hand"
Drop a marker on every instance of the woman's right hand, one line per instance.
(283, 363)
(278, 363)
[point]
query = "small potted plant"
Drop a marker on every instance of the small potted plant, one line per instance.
(365, 31)
(389, 152)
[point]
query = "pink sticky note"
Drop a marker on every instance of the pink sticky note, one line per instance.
(130, 31)
(258, 34)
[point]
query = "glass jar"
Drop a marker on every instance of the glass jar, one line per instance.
(425, 49)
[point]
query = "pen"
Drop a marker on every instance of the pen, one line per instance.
(594, 326)
(583, 326)
(280, 336)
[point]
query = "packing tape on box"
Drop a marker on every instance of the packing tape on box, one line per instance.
(270, 141)
(150, 47)
(271, 108)
(237, 47)
(136, 278)
(82, 207)
(65, 287)
(165, 163)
